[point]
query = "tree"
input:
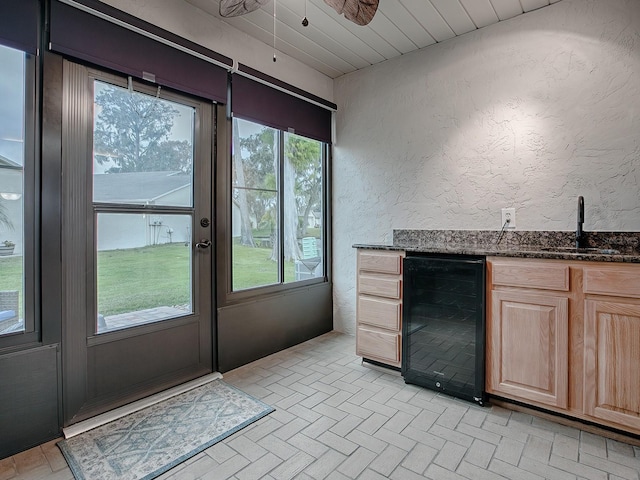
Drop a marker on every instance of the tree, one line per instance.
(132, 130)
(260, 167)
(240, 194)
(290, 221)
(260, 173)
(4, 217)
(301, 184)
(306, 159)
(170, 155)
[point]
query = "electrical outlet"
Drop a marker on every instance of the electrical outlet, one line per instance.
(509, 218)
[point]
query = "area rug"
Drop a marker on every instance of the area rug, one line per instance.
(151, 441)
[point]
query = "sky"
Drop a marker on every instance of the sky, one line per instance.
(12, 83)
(12, 104)
(183, 121)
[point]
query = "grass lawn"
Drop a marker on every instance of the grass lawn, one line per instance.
(252, 267)
(11, 276)
(139, 278)
(147, 277)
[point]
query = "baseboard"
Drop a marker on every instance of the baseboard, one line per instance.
(606, 432)
(374, 365)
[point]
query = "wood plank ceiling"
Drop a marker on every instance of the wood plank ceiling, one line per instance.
(335, 46)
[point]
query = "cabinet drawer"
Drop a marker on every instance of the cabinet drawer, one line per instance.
(532, 275)
(378, 345)
(380, 261)
(379, 312)
(380, 285)
(619, 281)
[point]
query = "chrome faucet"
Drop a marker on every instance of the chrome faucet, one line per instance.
(579, 231)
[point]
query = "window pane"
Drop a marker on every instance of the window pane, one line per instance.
(12, 148)
(255, 257)
(255, 251)
(144, 269)
(256, 164)
(302, 185)
(143, 148)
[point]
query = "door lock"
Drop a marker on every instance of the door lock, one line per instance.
(203, 244)
(205, 222)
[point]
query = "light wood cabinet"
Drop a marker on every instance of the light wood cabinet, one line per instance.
(611, 376)
(379, 306)
(530, 274)
(529, 347)
(565, 336)
(612, 362)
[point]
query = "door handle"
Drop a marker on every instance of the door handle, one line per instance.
(203, 244)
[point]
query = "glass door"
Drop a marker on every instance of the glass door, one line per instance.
(144, 323)
(14, 158)
(143, 203)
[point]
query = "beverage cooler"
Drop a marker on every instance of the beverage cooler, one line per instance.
(443, 327)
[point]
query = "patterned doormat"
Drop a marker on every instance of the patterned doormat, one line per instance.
(147, 443)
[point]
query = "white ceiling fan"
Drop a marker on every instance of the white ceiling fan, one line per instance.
(360, 12)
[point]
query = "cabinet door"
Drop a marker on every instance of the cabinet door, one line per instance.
(612, 362)
(378, 345)
(527, 348)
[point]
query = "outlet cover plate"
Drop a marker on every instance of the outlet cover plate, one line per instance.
(509, 213)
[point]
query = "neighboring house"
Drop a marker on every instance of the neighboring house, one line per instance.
(315, 219)
(11, 199)
(116, 231)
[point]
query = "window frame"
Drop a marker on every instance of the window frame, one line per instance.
(32, 333)
(99, 207)
(226, 294)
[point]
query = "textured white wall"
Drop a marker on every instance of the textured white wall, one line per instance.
(528, 113)
(190, 22)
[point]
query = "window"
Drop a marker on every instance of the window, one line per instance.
(16, 154)
(277, 206)
(143, 157)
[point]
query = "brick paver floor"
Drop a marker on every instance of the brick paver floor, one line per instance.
(338, 419)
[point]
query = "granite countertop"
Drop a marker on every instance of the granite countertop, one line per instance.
(598, 246)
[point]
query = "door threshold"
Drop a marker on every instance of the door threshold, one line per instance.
(116, 413)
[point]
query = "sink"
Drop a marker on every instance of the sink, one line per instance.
(576, 250)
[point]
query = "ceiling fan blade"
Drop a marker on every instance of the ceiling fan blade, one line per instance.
(360, 12)
(235, 8)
